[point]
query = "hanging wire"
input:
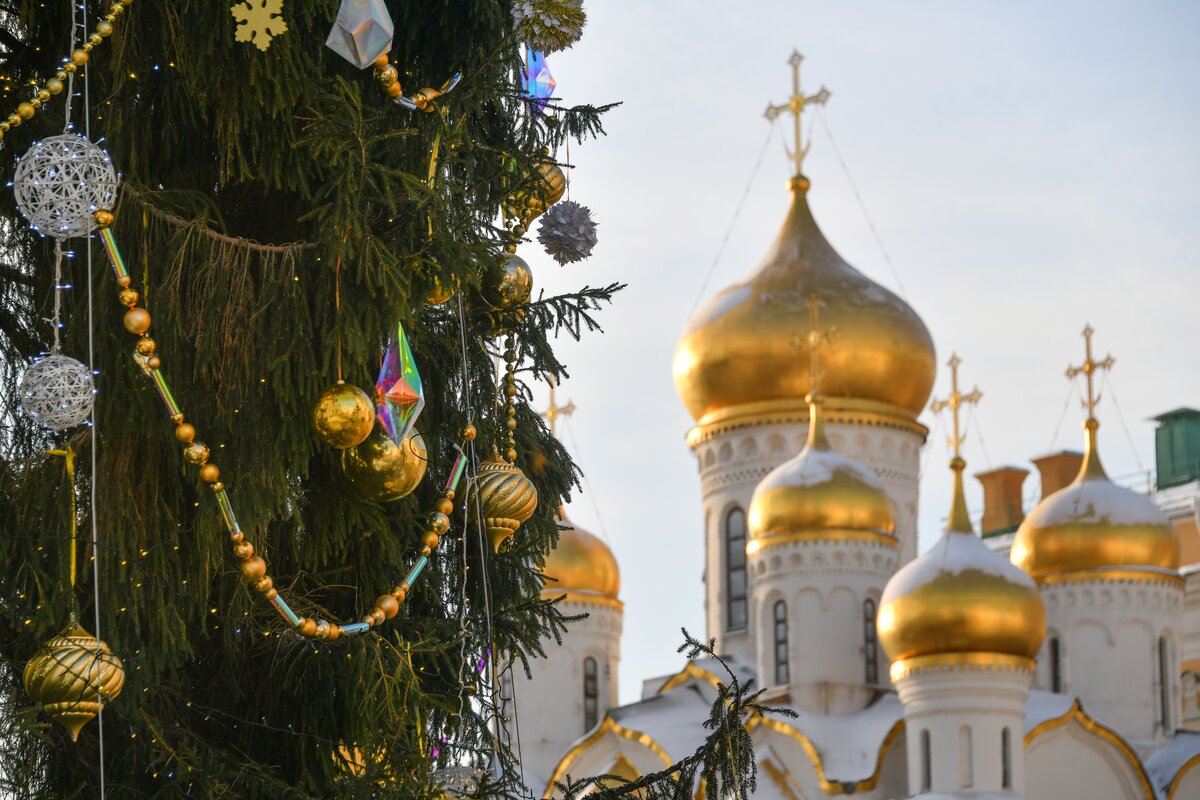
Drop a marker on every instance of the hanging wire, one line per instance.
(1112, 394)
(737, 212)
(973, 419)
(1071, 392)
(587, 485)
(862, 205)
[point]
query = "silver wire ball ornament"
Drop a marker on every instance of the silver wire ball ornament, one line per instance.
(60, 182)
(568, 232)
(57, 391)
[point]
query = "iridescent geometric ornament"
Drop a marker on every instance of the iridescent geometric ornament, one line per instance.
(362, 32)
(399, 395)
(536, 81)
(60, 182)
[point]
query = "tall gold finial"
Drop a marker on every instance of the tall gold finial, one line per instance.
(795, 105)
(816, 338)
(960, 520)
(553, 411)
(1091, 467)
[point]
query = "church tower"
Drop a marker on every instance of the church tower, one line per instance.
(1107, 563)
(962, 626)
(821, 548)
(569, 691)
(742, 369)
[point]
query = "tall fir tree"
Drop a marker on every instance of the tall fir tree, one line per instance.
(279, 216)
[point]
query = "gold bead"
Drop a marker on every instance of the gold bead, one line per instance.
(510, 390)
(185, 432)
(342, 416)
(254, 569)
(307, 627)
(386, 76)
(128, 297)
(393, 91)
(153, 362)
(104, 218)
(377, 618)
(448, 494)
(467, 433)
(511, 423)
(426, 551)
(137, 320)
(70, 69)
(264, 584)
(510, 455)
(322, 630)
(104, 28)
(79, 57)
(243, 549)
(146, 346)
(210, 473)
(445, 506)
(4, 126)
(61, 75)
(381, 62)
(389, 605)
(13, 120)
(234, 536)
(95, 39)
(88, 47)
(124, 280)
(25, 110)
(430, 540)
(196, 453)
(42, 96)
(404, 587)
(439, 523)
(220, 487)
(126, 2)
(335, 633)
(399, 594)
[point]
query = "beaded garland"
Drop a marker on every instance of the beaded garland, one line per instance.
(253, 567)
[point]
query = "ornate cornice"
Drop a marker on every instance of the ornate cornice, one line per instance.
(837, 410)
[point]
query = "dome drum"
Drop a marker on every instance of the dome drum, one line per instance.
(582, 567)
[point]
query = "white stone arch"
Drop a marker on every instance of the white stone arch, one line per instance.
(1102, 764)
(747, 448)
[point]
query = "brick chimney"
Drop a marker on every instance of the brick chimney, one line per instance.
(1058, 470)
(1002, 506)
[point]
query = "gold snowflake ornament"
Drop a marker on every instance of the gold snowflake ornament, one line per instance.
(259, 22)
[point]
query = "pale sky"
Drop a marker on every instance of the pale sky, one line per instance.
(1028, 170)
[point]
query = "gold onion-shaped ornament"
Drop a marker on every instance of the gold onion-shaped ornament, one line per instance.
(381, 470)
(343, 416)
(73, 677)
(506, 496)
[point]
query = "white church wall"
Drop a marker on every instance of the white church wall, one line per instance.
(551, 703)
(1108, 632)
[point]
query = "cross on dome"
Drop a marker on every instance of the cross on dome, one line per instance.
(553, 411)
(796, 105)
(1088, 368)
(960, 520)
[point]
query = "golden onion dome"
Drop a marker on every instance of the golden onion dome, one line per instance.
(817, 492)
(581, 565)
(960, 597)
(747, 344)
(1094, 524)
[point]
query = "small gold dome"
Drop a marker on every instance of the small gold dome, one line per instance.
(819, 491)
(748, 343)
(581, 564)
(1094, 524)
(960, 597)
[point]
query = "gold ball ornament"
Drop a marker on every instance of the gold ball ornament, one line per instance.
(546, 191)
(343, 416)
(507, 282)
(73, 676)
(380, 470)
(137, 320)
(507, 497)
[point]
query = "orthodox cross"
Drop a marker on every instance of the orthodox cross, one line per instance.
(1088, 368)
(954, 402)
(816, 338)
(795, 105)
(553, 411)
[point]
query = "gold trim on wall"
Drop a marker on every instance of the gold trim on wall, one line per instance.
(1077, 714)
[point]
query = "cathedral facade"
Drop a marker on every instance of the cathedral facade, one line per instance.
(1049, 658)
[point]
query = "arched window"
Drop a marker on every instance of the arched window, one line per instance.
(926, 762)
(781, 643)
(964, 757)
(591, 694)
(1164, 683)
(1053, 649)
(1005, 759)
(735, 568)
(870, 643)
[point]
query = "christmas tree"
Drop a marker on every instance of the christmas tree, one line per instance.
(285, 218)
